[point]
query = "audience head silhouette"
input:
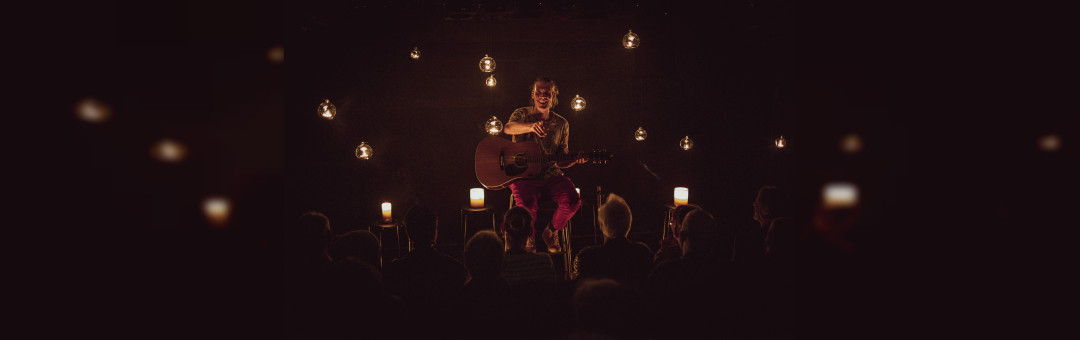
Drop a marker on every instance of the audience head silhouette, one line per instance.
(484, 255)
(311, 234)
(422, 225)
(771, 202)
(517, 226)
(700, 234)
(615, 217)
(359, 244)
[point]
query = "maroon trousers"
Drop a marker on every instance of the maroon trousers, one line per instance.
(527, 195)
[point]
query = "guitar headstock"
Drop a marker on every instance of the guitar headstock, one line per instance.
(601, 156)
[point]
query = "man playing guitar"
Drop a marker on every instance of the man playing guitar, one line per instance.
(551, 131)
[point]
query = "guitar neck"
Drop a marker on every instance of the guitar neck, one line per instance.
(545, 159)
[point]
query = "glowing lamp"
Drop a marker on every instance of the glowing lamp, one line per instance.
(415, 53)
(169, 151)
(490, 81)
(363, 151)
(682, 196)
(630, 40)
(92, 110)
(493, 126)
(386, 212)
(780, 142)
(327, 110)
(577, 103)
(686, 143)
(640, 134)
(851, 143)
(487, 64)
(840, 195)
(476, 197)
(1050, 142)
(216, 210)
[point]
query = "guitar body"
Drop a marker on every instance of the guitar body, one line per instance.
(500, 162)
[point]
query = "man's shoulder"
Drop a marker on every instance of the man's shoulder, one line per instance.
(559, 117)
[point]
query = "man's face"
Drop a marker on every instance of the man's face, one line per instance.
(542, 95)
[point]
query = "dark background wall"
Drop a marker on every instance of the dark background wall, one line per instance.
(721, 75)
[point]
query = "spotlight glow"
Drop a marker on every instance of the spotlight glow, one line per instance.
(168, 151)
(840, 195)
(217, 210)
(1050, 142)
(276, 54)
(92, 110)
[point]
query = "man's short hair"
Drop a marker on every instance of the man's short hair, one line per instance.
(483, 255)
(615, 217)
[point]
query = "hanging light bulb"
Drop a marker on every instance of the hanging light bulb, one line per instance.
(631, 40)
(686, 143)
(415, 53)
(493, 126)
(363, 151)
(640, 134)
(577, 103)
(327, 110)
(487, 64)
(490, 81)
(781, 142)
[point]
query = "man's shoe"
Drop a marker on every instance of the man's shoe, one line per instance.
(551, 239)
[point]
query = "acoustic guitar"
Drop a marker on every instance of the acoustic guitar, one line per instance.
(500, 162)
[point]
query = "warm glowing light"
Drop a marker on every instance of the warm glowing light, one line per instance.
(686, 143)
(493, 126)
(682, 196)
(851, 143)
(216, 210)
(578, 191)
(386, 212)
(490, 81)
(327, 110)
(92, 110)
(476, 197)
(415, 53)
(276, 54)
(363, 151)
(168, 151)
(631, 40)
(487, 64)
(838, 195)
(577, 103)
(640, 134)
(1050, 142)
(781, 142)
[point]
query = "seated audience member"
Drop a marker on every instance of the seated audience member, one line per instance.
(770, 203)
(357, 304)
(487, 299)
(606, 309)
(426, 279)
(523, 267)
(669, 246)
(360, 244)
(619, 259)
(700, 293)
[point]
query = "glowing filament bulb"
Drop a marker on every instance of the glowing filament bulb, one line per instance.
(493, 126)
(686, 143)
(631, 40)
(415, 53)
(327, 110)
(487, 64)
(640, 134)
(578, 103)
(781, 142)
(490, 81)
(363, 151)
